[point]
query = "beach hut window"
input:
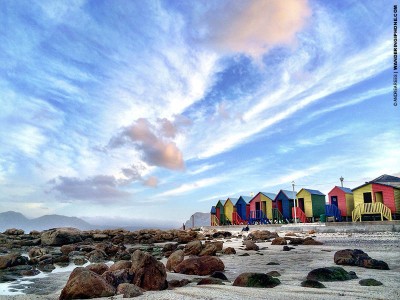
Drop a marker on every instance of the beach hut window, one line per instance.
(367, 197)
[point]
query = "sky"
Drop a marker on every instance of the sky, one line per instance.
(116, 111)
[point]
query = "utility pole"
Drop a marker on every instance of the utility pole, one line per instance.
(295, 206)
(341, 180)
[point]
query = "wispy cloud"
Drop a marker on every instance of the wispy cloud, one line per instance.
(191, 187)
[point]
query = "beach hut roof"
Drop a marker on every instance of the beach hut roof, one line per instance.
(385, 179)
(233, 200)
(269, 195)
(345, 189)
(288, 193)
(213, 210)
(245, 199)
(315, 192)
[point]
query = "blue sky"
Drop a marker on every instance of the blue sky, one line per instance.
(153, 110)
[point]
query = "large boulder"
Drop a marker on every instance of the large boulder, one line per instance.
(262, 235)
(229, 250)
(329, 274)
(12, 260)
(37, 252)
(85, 284)
(204, 265)
(193, 248)
(358, 258)
(148, 273)
(61, 236)
(259, 280)
(174, 259)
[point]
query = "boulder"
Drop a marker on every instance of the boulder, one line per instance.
(358, 258)
(250, 245)
(219, 275)
(129, 290)
(311, 241)
(370, 282)
(61, 236)
(97, 256)
(67, 249)
(120, 265)
(204, 265)
(14, 231)
(210, 280)
(84, 284)
(209, 249)
(229, 250)
(177, 283)
(37, 252)
(117, 277)
(274, 273)
(193, 248)
(312, 284)
(174, 259)
(11, 260)
(259, 280)
(329, 274)
(262, 235)
(149, 274)
(279, 241)
(98, 268)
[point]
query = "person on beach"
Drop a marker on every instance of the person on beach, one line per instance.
(246, 228)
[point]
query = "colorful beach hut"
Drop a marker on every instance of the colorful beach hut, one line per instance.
(241, 210)
(219, 212)
(311, 202)
(261, 207)
(228, 210)
(284, 203)
(214, 219)
(342, 198)
(380, 196)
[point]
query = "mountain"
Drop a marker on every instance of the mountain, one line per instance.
(198, 219)
(12, 219)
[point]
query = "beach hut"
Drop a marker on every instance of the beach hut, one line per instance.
(261, 207)
(219, 212)
(228, 210)
(341, 198)
(311, 202)
(241, 210)
(380, 196)
(284, 203)
(214, 219)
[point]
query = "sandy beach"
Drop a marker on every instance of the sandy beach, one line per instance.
(293, 266)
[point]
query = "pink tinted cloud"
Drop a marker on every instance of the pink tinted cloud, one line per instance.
(259, 25)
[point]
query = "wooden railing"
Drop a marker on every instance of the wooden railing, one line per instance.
(277, 215)
(371, 209)
(214, 220)
(237, 220)
(299, 214)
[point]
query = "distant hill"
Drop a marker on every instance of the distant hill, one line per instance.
(12, 219)
(198, 219)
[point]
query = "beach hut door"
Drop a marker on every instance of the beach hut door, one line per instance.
(334, 201)
(257, 205)
(367, 197)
